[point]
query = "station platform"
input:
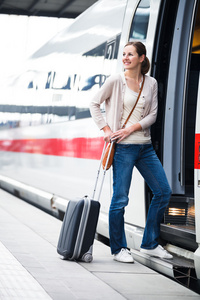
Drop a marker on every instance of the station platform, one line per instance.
(31, 268)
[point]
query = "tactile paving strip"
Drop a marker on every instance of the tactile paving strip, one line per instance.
(15, 281)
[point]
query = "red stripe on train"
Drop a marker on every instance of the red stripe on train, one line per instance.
(89, 148)
(197, 151)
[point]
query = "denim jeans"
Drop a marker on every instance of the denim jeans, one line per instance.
(144, 158)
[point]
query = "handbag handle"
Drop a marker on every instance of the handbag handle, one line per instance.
(134, 105)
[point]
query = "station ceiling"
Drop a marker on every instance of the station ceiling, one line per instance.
(47, 8)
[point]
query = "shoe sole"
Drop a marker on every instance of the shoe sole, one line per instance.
(124, 261)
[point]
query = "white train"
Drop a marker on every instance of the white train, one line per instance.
(50, 147)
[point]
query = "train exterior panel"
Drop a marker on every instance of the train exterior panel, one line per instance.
(48, 140)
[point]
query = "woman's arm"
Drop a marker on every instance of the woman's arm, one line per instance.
(102, 95)
(150, 118)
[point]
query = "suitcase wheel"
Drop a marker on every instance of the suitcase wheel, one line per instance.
(87, 257)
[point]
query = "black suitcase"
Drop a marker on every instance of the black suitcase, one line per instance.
(79, 225)
(78, 229)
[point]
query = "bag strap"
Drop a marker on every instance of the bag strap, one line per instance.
(135, 104)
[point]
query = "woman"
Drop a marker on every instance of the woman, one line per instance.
(133, 148)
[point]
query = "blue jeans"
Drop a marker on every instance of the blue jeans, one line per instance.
(144, 158)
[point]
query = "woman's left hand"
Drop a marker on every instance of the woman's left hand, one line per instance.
(121, 134)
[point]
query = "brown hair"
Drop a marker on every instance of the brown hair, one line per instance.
(141, 50)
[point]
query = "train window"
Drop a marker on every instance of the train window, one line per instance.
(140, 21)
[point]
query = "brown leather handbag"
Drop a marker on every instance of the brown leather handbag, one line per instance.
(110, 149)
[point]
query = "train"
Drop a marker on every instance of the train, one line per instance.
(50, 147)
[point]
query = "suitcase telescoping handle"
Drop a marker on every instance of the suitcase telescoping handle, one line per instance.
(87, 257)
(104, 171)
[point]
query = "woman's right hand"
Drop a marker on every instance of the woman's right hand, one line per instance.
(107, 133)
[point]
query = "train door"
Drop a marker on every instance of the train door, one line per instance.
(176, 65)
(197, 182)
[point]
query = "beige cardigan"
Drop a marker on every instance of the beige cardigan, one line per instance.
(112, 92)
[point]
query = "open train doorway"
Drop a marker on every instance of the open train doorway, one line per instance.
(176, 66)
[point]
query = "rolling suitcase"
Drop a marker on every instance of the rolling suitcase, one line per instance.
(79, 224)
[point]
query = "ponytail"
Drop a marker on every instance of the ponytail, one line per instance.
(145, 66)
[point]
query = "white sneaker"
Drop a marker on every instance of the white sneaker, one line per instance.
(159, 251)
(124, 256)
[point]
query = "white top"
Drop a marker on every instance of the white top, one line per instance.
(112, 93)
(130, 98)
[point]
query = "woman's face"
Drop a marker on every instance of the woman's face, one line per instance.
(131, 59)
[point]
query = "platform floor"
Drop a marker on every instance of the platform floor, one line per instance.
(30, 267)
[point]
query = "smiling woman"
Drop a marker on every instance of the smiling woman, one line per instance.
(133, 148)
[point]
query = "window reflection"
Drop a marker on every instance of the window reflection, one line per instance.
(140, 21)
(49, 96)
